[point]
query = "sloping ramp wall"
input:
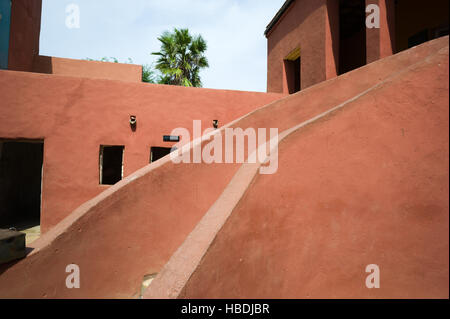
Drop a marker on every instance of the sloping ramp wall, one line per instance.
(133, 228)
(363, 183)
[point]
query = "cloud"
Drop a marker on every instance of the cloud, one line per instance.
(237, 48)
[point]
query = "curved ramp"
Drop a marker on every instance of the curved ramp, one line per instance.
(363, 183)
(133, 228)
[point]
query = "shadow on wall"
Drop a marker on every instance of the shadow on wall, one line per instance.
(333, 21)
(43, 64)
(417, 21)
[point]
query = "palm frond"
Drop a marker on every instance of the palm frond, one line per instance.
(181, 58)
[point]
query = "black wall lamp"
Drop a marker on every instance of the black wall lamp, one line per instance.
(133, 122)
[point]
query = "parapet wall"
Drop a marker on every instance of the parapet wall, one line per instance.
(314, 212)
(74, 116)
(363, 183)
(88, 69)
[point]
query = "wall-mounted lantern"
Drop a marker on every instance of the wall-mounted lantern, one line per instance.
(215, 124)
(133, 122)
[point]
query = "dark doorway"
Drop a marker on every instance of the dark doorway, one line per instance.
(111, 164)
(352, 33)
(293, 69)
(293, 74)
(157, 153)
(20, 183)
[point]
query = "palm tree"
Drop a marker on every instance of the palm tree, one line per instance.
(148, 74)
(181, 58)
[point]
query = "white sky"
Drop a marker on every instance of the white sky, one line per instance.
(233, 29)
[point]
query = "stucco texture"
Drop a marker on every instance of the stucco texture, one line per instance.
(365, 184)
(88, 69)
(301, 26)
(74, 116)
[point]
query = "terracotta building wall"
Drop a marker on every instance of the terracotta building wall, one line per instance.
(332, 39)
(88, 69)
(366, 184)
(74, 116)
(380, 42)
(313, 26)
(24, 34)
(153, 224)
(302, 26)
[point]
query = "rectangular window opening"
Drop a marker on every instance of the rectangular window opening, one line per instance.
(111, 164)
(157, 153)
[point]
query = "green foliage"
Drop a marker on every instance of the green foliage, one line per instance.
(181, 58)
(148, 74)
(111, 59)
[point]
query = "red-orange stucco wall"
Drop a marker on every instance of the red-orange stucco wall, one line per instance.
(380, 42)
(74, 116)
(301, 26)
(332, 39)
(88, 69)
(152, 224)
(367, 184)
(313, 26)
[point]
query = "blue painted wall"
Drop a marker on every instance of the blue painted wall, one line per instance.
(5, 19)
